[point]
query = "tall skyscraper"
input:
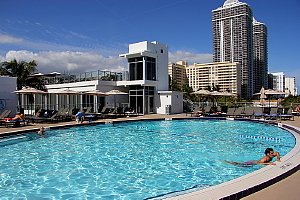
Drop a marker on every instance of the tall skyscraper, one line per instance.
(260, 63)
(236, 38)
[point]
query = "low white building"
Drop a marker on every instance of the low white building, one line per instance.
(8, 100)
(278, 81)
(290, 86)
(146, 84)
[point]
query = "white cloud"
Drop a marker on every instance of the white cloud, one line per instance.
(76, 62)
(67, 61)
(9, 39)
(190, 57)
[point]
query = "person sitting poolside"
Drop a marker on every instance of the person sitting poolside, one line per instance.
(266, 160)
(80, 116)
(18, 116)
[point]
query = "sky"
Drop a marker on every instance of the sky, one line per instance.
(73, 36)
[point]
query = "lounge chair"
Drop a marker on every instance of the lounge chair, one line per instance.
(5, 114)
(207, 111)
(87, 110)
(54, 117)
(15, 123)
(248, 112)
(287, 114)
(273, 114)
(43, 116)
(120, 111)
(239, 112)
(130, 112)
(105, 111)
(230, 112)
(196, 112)
(258, 113)
(110, 113)
(66, 114)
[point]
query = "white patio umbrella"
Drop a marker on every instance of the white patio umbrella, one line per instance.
(96, 93)
(275, 92)
(216, 94)
(227, 94)
(202, 93)
(115, 92)
(262, 97)
(29, 91)
(67, 92)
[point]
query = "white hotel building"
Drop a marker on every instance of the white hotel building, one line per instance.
(146, 85)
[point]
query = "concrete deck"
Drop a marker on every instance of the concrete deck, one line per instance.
(285, 189)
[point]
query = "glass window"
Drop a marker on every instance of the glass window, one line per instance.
(139, 59)
(151, 68)
(132, 71)
(135, 68)
(131, 60)
(139, 71)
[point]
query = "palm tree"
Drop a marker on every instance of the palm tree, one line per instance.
(188, 90)
(173, 85)
(23, 71)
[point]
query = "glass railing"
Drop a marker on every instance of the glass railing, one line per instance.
(86, 76)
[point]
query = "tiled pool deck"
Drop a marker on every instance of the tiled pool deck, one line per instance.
(271, 182)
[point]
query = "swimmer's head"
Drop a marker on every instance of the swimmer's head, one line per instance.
(269, 151)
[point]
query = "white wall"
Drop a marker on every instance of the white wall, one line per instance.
(9, 99)
(173, 98)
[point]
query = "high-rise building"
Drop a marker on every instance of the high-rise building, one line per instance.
(237, 38)
(260, 62)
(177, 71)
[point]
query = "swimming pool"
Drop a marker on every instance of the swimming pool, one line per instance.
(135, 160)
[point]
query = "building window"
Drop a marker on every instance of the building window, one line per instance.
(135, 68)
(150, 68)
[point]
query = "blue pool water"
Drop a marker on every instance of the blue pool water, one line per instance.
(135, 160)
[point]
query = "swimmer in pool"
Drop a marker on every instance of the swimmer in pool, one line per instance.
(266, 160)
(41, 131)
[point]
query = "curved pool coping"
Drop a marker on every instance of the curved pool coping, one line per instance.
(233, 189)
